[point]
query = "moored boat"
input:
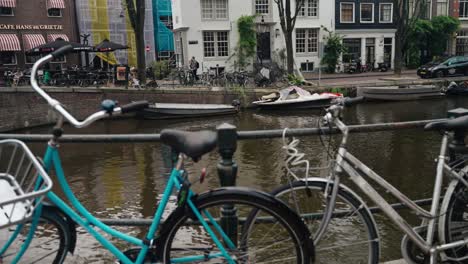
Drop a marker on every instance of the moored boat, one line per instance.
(295, 97)
(396, 93)
(174, 110)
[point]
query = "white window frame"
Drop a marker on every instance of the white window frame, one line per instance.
(466, 10)
(446, 8)
(354, 12)
(430, 9)
(307, 31)
(214, 10)
(380, 13)
(12, 12)
(61, 13)
(268, 8)
(360, 13)
(305, 8)
(215, 44)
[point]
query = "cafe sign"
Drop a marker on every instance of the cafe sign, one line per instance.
(30, 27)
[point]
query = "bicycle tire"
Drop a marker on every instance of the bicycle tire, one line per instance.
(346, 234)
(453, 225)
(47, 245)
(301, 247)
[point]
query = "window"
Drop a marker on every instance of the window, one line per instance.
(54, 12)
(462, 43)
(214, 9)
(309, 8)
(262, 7)
(306, 40)
(347, 12)
(215, 44)
(353, 49)
(367, 13)
(386, 13)
(427, 9)
(463, 8)
(30, 59)
(307, 66)
(7, 57)
(167, 21)
(442, 8)
(6, 11)
(60, 59)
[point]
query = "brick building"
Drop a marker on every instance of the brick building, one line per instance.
(25, 25)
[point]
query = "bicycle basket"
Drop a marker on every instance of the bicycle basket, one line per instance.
(23, 182)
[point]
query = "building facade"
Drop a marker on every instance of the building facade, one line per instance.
(207, 30)
(108, 19)
(368, 30)
(24, 26)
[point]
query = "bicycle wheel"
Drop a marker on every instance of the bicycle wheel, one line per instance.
(454, 223)
(276, 235)
(351, 236)
(49, 245)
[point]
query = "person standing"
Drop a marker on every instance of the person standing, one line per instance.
(194, 65)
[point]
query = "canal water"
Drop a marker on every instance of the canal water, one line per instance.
(117, 180)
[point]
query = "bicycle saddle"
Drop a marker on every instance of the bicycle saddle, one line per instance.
(449, 125)
(192, 144)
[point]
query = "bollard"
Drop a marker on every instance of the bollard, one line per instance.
(227, 172)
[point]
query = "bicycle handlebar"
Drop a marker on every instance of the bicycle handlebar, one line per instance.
(57, 106)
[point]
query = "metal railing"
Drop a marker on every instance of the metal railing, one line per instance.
(227, 144)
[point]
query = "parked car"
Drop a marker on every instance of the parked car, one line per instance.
(444, 66)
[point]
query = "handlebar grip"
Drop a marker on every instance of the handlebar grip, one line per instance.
(352, 101)
(134, 106)
(62, 51)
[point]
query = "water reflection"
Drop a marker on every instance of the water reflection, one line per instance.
(125, 180)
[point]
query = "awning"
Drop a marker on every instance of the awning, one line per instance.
(7, 3)
(31, 41)
(60, 4)
(9, 42)
(54, 37)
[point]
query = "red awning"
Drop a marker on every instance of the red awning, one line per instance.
(9, 42)
(7, 3)
(55, 4)
(54, 37)
(31, 41)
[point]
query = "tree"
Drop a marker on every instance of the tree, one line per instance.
(137, 20)
(406, 13)
(288, 22)
(332, 51)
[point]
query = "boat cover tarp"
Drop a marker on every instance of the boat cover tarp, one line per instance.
(284, 93)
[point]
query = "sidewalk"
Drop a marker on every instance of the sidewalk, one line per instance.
(324, 76)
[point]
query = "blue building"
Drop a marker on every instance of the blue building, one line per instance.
(163, 35)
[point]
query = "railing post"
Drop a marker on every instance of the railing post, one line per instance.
(227, 172)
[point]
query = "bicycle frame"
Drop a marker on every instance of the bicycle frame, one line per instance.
(346, 162)
(85, 219)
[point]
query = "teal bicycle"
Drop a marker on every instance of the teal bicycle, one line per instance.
(225, 225)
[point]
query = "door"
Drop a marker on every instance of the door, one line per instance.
(263, 46)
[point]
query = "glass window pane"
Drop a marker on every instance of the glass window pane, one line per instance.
(300, 40)
(261, 7)
(367, 12)
(208, 44)
(347, 12)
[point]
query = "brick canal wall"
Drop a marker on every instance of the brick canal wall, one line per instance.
(21, 107)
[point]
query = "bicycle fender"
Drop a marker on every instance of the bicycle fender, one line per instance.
(71, 224)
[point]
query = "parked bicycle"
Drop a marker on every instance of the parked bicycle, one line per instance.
(342, 226)
(254, 228)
